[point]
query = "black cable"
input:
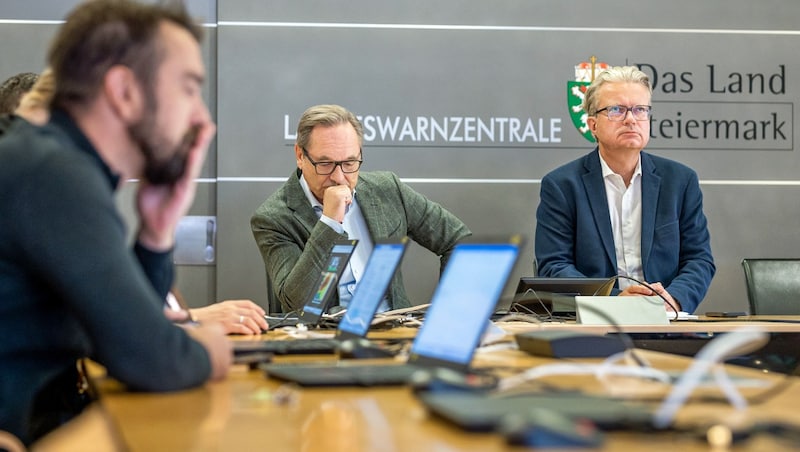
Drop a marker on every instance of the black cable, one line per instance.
(517, 305)
(279, 323)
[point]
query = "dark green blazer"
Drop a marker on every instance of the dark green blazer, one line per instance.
(295, 245)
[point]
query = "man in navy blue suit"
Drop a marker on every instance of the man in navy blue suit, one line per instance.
(621, 211)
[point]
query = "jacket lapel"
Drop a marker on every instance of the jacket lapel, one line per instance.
(296, 201)
(596, 194)
(369, 201)
(651, 184)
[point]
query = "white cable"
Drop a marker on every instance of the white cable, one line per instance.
(519, 317)
(301, 331)
(728, 388)
(418, 307)
(496, 346)
(335, 315)
(598, 370)
(737, 342)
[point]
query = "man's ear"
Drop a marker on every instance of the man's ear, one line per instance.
(298, 153)
(592, 123)
(124, 93)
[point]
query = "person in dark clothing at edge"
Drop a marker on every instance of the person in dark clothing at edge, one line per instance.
(127, 104)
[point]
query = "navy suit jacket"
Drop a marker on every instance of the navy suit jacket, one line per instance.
(573, 228)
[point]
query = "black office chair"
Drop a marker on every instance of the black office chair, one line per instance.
(773, 286)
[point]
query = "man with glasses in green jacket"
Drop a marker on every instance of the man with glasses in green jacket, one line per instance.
(327, 198)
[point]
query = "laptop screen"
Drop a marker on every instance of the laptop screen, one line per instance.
(329, 279)
(465, 297)
(381, 267)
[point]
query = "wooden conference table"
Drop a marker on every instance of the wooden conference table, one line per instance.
(248, 412)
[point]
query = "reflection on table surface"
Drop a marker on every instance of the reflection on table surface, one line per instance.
(248, 411)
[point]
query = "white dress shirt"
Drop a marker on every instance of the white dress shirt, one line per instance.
(625, 210)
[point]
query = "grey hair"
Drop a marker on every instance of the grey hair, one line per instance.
(325, 115)
(616, 74)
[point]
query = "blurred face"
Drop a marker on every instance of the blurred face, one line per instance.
(174, 108)
(627, 135)
(337, 143)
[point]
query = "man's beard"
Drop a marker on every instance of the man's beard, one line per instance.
(160, 171)
(167, 172)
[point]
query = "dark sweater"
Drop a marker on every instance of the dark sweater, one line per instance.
(6, 122)
(71, 287)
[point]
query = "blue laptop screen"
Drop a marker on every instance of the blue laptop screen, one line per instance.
(371, 289)
(468, 291)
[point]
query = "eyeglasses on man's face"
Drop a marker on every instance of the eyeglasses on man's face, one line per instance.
(325, 168)
(618, 112)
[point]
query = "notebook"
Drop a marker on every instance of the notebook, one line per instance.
(318, 300)
(381, 266)
(469, 288)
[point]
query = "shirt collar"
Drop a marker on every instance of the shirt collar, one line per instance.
(607, 170)
(310, 196)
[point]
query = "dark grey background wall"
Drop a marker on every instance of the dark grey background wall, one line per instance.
(411, 69)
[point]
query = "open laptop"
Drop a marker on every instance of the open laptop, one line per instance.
(382, 264)
(470, 286)
(557, 295)
(319, 299)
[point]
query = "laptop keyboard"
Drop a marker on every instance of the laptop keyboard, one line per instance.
(367, 375)
(320, 346)
(311, 346)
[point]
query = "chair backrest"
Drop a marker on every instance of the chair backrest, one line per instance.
(773, 286)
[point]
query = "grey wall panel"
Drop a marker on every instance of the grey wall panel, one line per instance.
(54, 10)
(29, 57)
(384, 73)
(488, 209)
(396, 78)
(452, 60)
(747, 222)
(36, 9)
(240, 269)
(742, 14)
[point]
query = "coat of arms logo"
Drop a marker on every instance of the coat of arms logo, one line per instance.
(584, 74)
